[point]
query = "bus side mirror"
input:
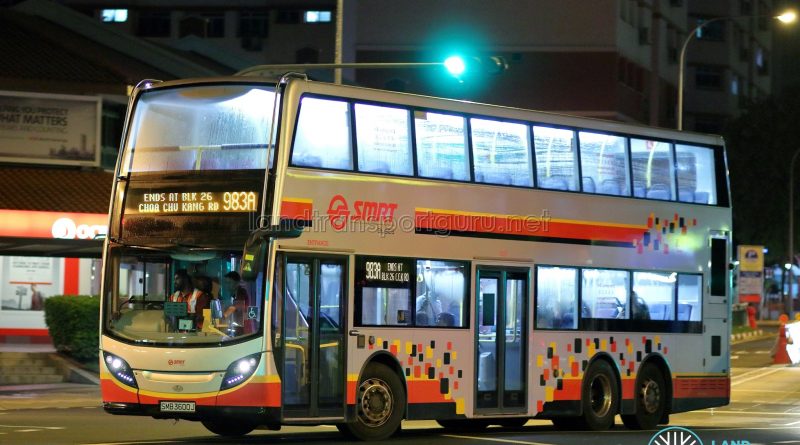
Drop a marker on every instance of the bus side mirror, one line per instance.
(255, 250)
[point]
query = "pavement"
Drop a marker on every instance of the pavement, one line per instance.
(52, 395)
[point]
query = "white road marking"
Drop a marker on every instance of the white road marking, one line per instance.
(34, 426)
(773, 371)
(495, 439)
(792, 424)
(755, 413)
(734, 357)
(26, 431)
(788, 441)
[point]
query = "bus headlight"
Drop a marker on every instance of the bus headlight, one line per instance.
(120, 369)
(239, 371)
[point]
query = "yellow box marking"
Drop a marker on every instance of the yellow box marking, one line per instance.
(438, 363)
(453, 355)
(428, 352)
(603, 345)
(548, 394)
(539, 361)
(408, 347)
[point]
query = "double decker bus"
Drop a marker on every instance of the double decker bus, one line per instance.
(305, 253)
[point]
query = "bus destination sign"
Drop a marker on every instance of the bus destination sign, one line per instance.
(389, 272)
(164, 203)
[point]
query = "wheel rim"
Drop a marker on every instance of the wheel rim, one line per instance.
(651, 396)
(376, 402)
(600, 395)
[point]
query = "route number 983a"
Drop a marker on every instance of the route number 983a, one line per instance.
(239, 201)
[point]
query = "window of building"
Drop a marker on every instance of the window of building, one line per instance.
(501, 152)
(253, 24)
(696, 178)
(652, 169)
(441, 294)
(215, 24)
(712, 31)
(288, 17)
(604, 164)
(154, 24)
(604, 294)
(114, 15)
(653, 296)
(735, 85)
(441, 146)
(317, 16)
(709, 77)
(556, 298)
(690, 290)
(762, 67)
(556, 158)
(383, 140)
(323, 135)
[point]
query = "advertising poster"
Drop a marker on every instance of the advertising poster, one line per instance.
(49, 129)
(28, 281)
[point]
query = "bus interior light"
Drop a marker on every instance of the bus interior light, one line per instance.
(239, 371)
(120, 369)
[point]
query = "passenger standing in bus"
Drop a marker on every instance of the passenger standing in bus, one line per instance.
(235, 313)
(200, 299)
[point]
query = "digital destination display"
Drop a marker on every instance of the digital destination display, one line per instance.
(234, 201)
(384, 271)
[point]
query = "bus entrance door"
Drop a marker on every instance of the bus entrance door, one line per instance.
(313, 336)
(501, 347)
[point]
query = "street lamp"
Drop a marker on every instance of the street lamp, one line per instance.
(791, 232)
(786, 17)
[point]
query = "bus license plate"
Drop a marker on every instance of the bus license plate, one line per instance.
(177, 407)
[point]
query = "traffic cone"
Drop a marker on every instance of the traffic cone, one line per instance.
(781, 356)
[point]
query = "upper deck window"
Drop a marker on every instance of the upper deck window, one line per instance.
(501, 151)
(652, 170)
(216, 127)
(556, 158)
(384, 144)
(323, 135)
(604, 164)
(441, 146)
(696, 178)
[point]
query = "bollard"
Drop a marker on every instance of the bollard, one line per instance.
(781, 356)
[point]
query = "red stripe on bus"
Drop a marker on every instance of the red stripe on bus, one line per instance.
(710, 387)
(72, 267)
(296, 210)
(525, 227)
(253, 394)
(570, 390)
(111, 392)
(351, 392)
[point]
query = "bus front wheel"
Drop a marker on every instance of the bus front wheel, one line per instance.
(381, 401)
(600, 397)
(650, 398)
(228, 427)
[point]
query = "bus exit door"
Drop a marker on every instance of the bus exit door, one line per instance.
(312, 327)
(501, 347)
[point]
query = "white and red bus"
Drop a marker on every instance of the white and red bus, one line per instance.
(408, 257)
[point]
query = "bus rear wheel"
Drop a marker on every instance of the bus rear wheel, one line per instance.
(650, 398)
(600, 397)
(228, 427)
(381, 401)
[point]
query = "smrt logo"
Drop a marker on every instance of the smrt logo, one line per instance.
(172, 362)
(65, 228)
(368, 211)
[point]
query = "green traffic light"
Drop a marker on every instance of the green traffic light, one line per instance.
(455, 65)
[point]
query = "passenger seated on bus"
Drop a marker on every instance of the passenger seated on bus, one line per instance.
(640, 309)
(236, 312)
(422, 319)
(446, 319)
(200, 299)
(430, 305)
(588, 184)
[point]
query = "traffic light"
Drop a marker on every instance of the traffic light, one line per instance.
(459, 66)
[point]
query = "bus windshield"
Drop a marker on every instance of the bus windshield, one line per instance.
(177, 297)
(199, 128)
